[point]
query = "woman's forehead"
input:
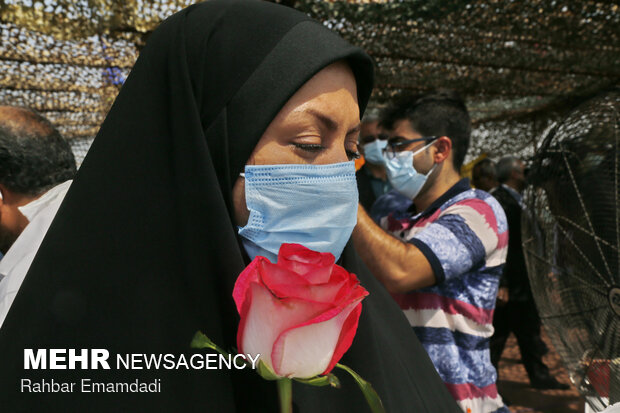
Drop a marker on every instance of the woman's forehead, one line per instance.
(325, 93)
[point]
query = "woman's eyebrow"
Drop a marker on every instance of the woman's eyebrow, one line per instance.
(355, 129)
(330, 123)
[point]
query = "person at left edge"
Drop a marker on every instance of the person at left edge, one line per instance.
(152, 235)
(36, 168)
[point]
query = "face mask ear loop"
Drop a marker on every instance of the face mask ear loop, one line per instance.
(423, 148)
(242, 174)
(431, 170)
(417, 152)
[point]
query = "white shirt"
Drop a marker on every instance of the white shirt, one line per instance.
(16, 262)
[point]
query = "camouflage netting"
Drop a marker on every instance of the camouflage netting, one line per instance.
(519, 65)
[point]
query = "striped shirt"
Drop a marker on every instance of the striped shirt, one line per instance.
(464, 236)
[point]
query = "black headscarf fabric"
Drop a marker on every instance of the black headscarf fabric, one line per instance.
(143, 252)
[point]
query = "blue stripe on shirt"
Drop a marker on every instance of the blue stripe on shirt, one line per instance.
(437, 335)
(454, 257)
(463, 232)
(478, 288)
(457, 366)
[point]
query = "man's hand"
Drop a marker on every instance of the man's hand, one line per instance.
(400, 266)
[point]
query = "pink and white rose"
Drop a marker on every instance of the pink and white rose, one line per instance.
(299, 314)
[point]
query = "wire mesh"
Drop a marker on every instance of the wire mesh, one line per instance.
(571, 237)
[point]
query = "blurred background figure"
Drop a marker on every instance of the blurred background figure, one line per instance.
(393, 201)
(36, 168)
(372, 179)
(484, 175)
(516, 310)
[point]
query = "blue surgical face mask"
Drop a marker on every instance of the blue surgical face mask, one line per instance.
(402, 174)
(311, 205)
(373, 151)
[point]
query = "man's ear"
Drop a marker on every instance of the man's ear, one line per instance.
(444, 149)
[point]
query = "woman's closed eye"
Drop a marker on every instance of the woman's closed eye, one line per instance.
(315, 148)
(309, 147)
(353, 155)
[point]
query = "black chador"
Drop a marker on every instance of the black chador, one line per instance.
(144, 252)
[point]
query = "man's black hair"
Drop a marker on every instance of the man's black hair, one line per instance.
(34, 157)
(440, 113)
(484, 168)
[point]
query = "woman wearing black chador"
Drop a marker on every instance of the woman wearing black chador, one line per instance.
(146, 248)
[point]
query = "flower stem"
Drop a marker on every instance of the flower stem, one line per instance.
(285, 394)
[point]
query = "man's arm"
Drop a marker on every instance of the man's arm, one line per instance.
(400, 266)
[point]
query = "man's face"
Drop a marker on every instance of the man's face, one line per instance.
(11, 221)
(403, 131)
(7, 236)
(369, 132)
(403, 138)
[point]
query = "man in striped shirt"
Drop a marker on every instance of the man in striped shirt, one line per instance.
(441, 259)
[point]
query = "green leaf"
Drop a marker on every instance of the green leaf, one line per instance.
(265, 372)
(319, 381)
(372, 398)
(202, 341)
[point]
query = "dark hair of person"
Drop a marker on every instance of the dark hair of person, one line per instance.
(34, 157)
(504, 168)
(484, 168)
(440, 113)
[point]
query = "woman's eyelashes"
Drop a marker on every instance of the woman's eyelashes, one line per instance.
(309, 147)
(316, 148)
(353, 155)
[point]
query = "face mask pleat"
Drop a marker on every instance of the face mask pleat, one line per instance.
(311, 205)
(402, 174)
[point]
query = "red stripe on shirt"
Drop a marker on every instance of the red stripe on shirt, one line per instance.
(429, 301)
(469, 391)
(502, 240)
(482, 208)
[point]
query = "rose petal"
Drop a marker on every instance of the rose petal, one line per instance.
(315, 266)
(325, 293)
(348, 331)
(297, 252)
(248, 275)
(352, 288)
(274, 274)
(307, 350)
(340, 274)
(265, 317)
(285, 283)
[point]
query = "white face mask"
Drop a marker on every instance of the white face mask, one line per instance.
(373, 151)
(403, 175)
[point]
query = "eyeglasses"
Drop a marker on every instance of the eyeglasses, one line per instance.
(371, 138)
(393, 148)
